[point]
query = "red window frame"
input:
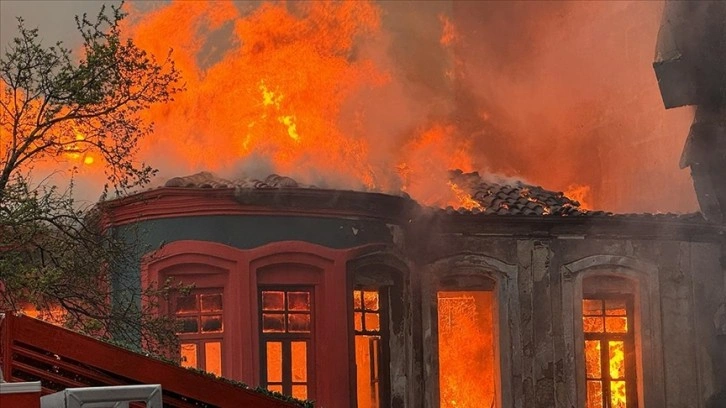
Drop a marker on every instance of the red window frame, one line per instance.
(200, 338)
(287, 339)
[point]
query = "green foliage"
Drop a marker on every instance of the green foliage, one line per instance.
(54, 253)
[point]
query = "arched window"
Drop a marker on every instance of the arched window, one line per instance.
(204, 309)
(468, 296)
(286, 338)
(609, 343)
(378, 301)
(290, 299)
(613, 328)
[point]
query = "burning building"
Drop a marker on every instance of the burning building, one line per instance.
(503, 294)
(359, 299)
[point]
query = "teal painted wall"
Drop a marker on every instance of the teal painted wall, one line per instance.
(239, 231)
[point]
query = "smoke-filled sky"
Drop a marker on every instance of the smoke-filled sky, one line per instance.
(391, 94)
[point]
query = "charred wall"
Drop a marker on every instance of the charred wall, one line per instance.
(681, 281)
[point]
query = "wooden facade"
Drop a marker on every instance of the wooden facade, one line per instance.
(32, 350)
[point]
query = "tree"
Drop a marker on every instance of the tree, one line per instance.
(54, 107)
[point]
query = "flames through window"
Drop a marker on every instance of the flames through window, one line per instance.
(466, 349)
(609, 366)
(368, 347)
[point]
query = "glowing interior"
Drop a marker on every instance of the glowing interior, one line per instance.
(466, 349)
(366, 307)
(201, 324)
(605, 323)
(286, 314)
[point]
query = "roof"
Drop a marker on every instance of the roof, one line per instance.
(512, 198)
(33, 350)
(490, 196)
(206, 179)
(500, 198)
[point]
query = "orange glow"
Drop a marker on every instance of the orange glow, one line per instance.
(466, 349)
(346, 95)
(274, 362)
(299, 369)
(605, 321)
(592, 358)
(463, 199)
(213, 357)
(580, 193)
(594, 394)
(366, 308)
(367, 375)
(448, 31)
(617, 372)
(54, 314)
(275, 89)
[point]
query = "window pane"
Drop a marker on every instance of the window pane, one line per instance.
(592, 324)
(186, 304)
(211, 303)
(616, 324)
(188, 353)
(212, 324)
(300, 391)
(357, 303)
(616, 350)
(617, 394)
(273, 300)
(298, 301)
(372, 322)
(298, 323)
(274, 362)
(299, 361)
(188, 325)
(592, 359)
(615, 307)
(594, 394)
(358, 321)
(591, 307)
(370, 300)
(213, 357)
(273, 323)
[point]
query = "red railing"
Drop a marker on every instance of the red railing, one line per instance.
(32, 350)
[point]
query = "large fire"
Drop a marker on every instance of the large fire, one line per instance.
(367, 95)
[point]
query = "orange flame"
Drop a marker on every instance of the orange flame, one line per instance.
(580, 193)
(463, 199)
(466, 358)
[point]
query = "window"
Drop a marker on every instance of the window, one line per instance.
(286, 323)
(368, 347)
(467, 365)
(609, 364)
(200, 329)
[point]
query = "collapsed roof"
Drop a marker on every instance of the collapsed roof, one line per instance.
(493, 197)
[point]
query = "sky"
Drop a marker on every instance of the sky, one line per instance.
(554, 93)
